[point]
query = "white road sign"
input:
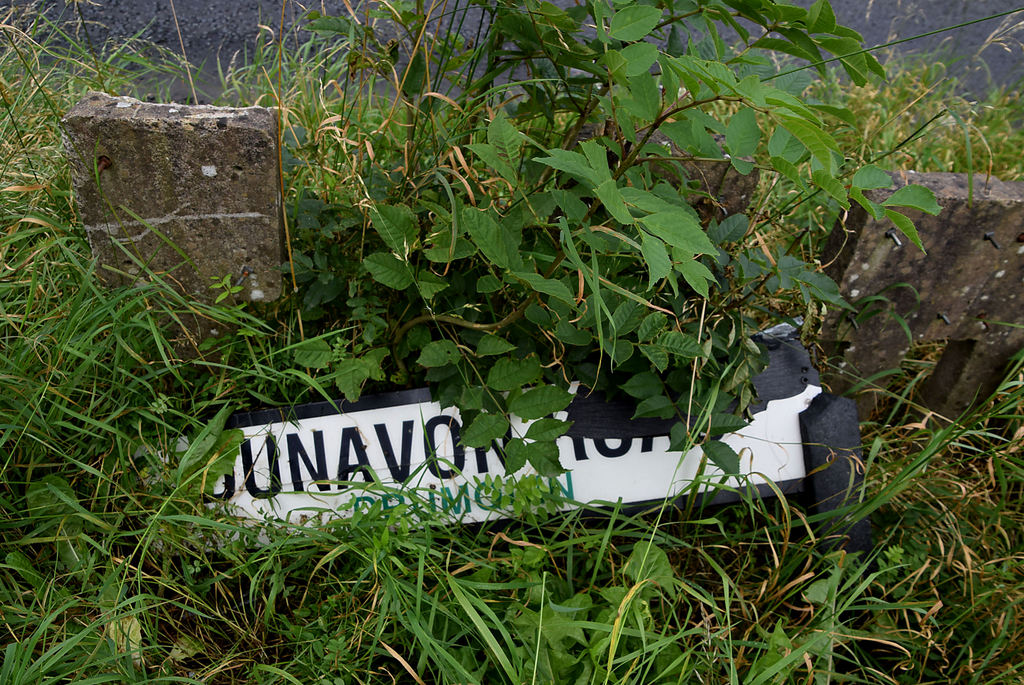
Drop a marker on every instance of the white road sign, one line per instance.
(401, 447)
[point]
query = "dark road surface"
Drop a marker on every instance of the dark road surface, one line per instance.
(990, 51)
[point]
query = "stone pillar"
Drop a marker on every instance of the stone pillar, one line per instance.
(188, 193)
(968, 289)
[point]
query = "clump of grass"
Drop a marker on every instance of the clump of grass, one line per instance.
(919, 120)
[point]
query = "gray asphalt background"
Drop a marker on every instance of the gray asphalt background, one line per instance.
(982, 54)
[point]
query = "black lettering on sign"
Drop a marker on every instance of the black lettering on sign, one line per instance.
(399, 469)
(351, 441)
(248, 468)
(579, 448)
(611, 452)
(229, 487)
(481, 458)
(297, 452)
(458, 451)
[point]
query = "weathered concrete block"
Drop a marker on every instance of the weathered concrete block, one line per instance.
(190, 192)
(968, 286)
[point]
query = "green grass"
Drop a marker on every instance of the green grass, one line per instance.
(109, 572)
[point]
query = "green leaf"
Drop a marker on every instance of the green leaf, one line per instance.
(656, 406)
(616, 63)
(608, 192)
(743, 166)
(914, 197)
(570, 203)
(484, 429)
(657, 355)
(821, 18)
(823, 287)
(414, 81)
(876, 210)
(680, 344)
(730, 230)
(515, 455)
(349, 376)
(27, 570)
(510, 374)
(679, 230)
(202, 447)
(634, 22)
(650, 562)
(221, 459)
(489, 155)
(313, 354)
(800, 38)
(618, 350)
(492, 344)
(547, 286)
(542, 456)
(471, 400)
(875, 66)
(676, 44)
(651, 325)
(538, 402)
(498, 244)
(649, 202)
(572, 163)
(597, 158)
(438, 353)
(798, 45)
(869, 177)
(784, 145)
(722, 423)
(441, 249)
(819, 591)
(627, 317)
(389, 270)
(722, 455)
(396, 225)
(645, 97)
(430, 284)
(906, 227)
(639, 58)
(856, 68)
(329, 25)
(502, 134)
(658, 263)
(841, 113)
(789, 170)
(643, 385)
(819, 143)
(771, 664)
(696, 275)
(742, 134)
(547, 429)
(488, 284)
(571, 335)
(832, 186)
(690, 134)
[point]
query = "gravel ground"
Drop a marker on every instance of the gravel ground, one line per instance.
(990, 51)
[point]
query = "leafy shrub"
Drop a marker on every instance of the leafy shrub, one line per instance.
(549, 217)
